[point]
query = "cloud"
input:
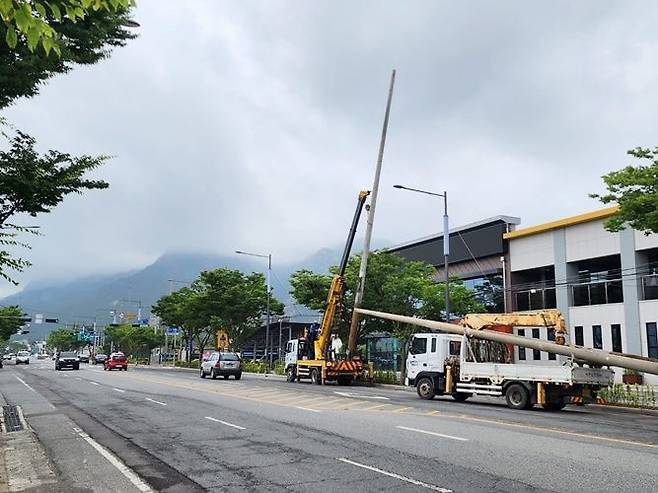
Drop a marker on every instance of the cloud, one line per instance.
(254, 125)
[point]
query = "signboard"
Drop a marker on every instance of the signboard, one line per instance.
(172, 331)
(222, 341)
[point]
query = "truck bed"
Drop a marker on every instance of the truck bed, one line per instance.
(568, 374)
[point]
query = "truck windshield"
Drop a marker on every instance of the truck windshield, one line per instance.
(418, 345)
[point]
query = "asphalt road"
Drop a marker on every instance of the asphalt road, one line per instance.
(176, 432)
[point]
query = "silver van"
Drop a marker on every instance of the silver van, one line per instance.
(221, 363)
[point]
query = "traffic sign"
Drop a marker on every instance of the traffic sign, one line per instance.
(172, 331)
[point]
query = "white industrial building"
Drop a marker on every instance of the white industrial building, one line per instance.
(605, 284)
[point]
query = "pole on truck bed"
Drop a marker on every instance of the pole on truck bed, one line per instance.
(358, 298)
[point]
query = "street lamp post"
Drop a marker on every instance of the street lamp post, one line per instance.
(446, 238)
(268, 353)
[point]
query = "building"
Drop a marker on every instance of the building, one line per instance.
(605, 284)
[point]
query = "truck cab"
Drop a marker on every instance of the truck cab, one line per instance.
(427, 356)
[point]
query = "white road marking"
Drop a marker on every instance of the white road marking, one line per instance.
(396, 476)
(433, 433)
(118, 390)
(25, 383)
(308, 409)
(360, 396)
(157, 402)
(94, 383)
(225, 423)
(115, 461)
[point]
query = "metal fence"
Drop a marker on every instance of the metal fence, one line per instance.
(630, 395)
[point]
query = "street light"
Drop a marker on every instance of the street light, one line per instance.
(446, 237)
(268, 355)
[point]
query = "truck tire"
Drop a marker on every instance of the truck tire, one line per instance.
(315, 377)
(517, 397)
(555, 405)
(425, 388)
(290, 374)
(461, 396)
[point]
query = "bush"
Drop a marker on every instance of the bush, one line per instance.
(387, 377)
(251, 366)
(630, 395)
(188, 364)
(279, 368)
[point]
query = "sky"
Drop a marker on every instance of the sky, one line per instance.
(252, 125)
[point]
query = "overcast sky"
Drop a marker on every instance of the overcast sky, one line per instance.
(253, 125)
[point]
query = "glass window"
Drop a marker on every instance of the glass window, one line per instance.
(581, 295)
(597, 337)
(521, 333)
(551, 337)
(615, 292)
(455, 348)
(550, 298)
(597, 293)
(536, 299)
(578, 330)
(434, 344)
(616, 337)
(536, 353)
(652, 339)
(418, 345)
(522, 301)
(230, 357)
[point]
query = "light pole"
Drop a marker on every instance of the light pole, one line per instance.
(268, 355)
(446, 237)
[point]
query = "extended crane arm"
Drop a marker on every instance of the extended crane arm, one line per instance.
(337, 284)
(541, 318)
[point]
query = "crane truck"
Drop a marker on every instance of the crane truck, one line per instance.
(463, 360)
(308, 357)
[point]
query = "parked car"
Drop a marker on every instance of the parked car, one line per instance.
(99, 358)
(67, 359)
(116, 361)
(221, 363)
(23, 357)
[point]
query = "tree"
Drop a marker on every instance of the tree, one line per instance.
(84, 42)
(394, 285)
(63, 340)
(31, 184)
(635, 189)
(136, 341)
(10, 322)
(40, 23)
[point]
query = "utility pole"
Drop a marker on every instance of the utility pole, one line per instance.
(358, 299)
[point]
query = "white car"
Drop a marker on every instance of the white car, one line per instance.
(23, 357)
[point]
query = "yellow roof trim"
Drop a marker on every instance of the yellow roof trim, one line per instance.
(562, 223)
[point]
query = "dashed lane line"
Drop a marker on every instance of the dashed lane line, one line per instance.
(94, 383)
(116, 462)
(156, 402)
(396, 476)
(25, 383)
(118, 390)
(425, 432)
(226, 423)
(308, 409)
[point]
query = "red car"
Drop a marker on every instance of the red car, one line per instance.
(116, 361)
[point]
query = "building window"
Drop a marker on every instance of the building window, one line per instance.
(551, 337)
(616, 337)
(536, 353)
(599, 281)
(580, 341)
(597, 337)
(521, 333)
(434, 344)
(652, 339)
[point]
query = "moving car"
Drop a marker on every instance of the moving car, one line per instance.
(84, 358)
(42, 356)
(116, 361)
(221, 363)
(67, 359)
(23, 357)
(7, 356)
(99, 358)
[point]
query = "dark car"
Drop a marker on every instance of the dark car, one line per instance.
(222, 363)
(116, 361)
(67, 359)
(99, 359)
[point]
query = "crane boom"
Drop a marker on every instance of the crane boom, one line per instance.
(541, 318)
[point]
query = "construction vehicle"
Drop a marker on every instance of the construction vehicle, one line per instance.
(468, 360)
(308, 358)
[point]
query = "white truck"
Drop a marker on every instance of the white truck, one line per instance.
(447, 364)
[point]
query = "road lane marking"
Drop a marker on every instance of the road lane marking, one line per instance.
(361, 396)
(403, 408)
(396, 476)
(140, 484)
(378, 406)
(432, 433)
(25, 383)
(308, 409)
(118, 390)
(225, 423)
(94, 383)
(157, 402)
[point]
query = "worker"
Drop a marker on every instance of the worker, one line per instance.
(336, 346)
(312, 335)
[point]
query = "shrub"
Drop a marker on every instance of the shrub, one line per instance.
(188, 364)
(387, 377)
(279, 368)
(251, 366)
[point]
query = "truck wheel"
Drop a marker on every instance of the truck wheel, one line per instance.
(344, 381)
(315, 377)
(425, 389)
(290, 374)
(517, 397)
(556, 405)
(461, 396)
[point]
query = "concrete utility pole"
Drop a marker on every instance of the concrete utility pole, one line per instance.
(358, 299)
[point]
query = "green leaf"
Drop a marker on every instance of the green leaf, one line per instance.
(41, 9)
(33, 37)
(11, 37)
(57, 14)
(48, 44)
